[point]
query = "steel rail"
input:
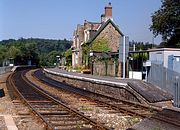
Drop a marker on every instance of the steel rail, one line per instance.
(95, 124)
(10, 83)
(112, 106)
(128, 111)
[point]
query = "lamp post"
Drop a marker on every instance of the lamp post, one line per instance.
(11, 61)
(131, 59)
(91, 55)
(57, 60)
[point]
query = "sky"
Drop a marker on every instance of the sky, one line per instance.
(57, 19)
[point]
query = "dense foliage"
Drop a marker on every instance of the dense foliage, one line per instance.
(166, 22)
(141, 46)
(68, 56)
(41, 52)
(100, 45)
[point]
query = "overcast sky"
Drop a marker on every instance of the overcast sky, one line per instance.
(57, 19)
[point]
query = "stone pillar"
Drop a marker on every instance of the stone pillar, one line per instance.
(119, 69)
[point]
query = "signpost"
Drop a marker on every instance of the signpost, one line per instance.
(123, 53)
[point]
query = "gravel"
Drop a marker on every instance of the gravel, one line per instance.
(2, 123)
(118, 121)
(9, 107)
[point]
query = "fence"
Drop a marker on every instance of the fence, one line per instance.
(5, 69)
(166, 79)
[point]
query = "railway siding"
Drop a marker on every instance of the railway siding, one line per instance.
(117, 88)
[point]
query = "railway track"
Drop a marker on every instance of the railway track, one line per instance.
(122, 106)
(126, 107)
(55, 114)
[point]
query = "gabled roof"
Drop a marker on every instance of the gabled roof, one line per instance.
(93, 25)
(102, 28)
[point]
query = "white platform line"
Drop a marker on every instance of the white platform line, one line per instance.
(10, 122)
(85, 78)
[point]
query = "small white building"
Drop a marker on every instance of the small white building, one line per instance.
(164, 71)
(168, 57)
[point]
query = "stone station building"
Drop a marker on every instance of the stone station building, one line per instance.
(91, 33)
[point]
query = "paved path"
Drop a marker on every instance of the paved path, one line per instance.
(7, 110)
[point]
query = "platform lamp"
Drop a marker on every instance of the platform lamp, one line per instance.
(57, 60)
(91, 54)
(132, 61)
(11, 61)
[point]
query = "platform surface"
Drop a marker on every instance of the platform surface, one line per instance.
(150, 92)
(170, 121)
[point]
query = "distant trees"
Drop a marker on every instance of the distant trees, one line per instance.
(3, 54)
(166, 22)
(12, 52)
(40, 51)
(50, 58)
(141, 45)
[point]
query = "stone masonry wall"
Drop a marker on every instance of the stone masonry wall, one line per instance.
(112, 35)
(104, 69)
(118, 92)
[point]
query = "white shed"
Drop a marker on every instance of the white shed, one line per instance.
(168, 57)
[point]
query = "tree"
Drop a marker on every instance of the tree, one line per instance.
(12, 52)
(38, 51)
(3, 53)
(68, 56)
(166, 22)
(141, 45)
(51, 57)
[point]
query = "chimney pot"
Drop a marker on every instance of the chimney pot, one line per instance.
(102, 18)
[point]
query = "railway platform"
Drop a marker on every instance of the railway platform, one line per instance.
(142, 92)
(169, 120)
(6, 113)
(10, 124)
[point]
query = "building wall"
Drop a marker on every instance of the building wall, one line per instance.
(162, 56)
(122, 92)
(168, 53)
(73, 62)
(157, 57)
(78, 38)
(104, 68)
(112, 36)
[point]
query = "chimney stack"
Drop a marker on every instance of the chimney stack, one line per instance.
(108, 12)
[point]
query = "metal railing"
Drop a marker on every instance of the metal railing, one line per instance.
(166, 79)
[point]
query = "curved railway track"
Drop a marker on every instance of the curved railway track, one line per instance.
(51, 111)
(126, 107)
(122, 106)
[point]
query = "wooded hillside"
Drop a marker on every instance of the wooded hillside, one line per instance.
(41, 52)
